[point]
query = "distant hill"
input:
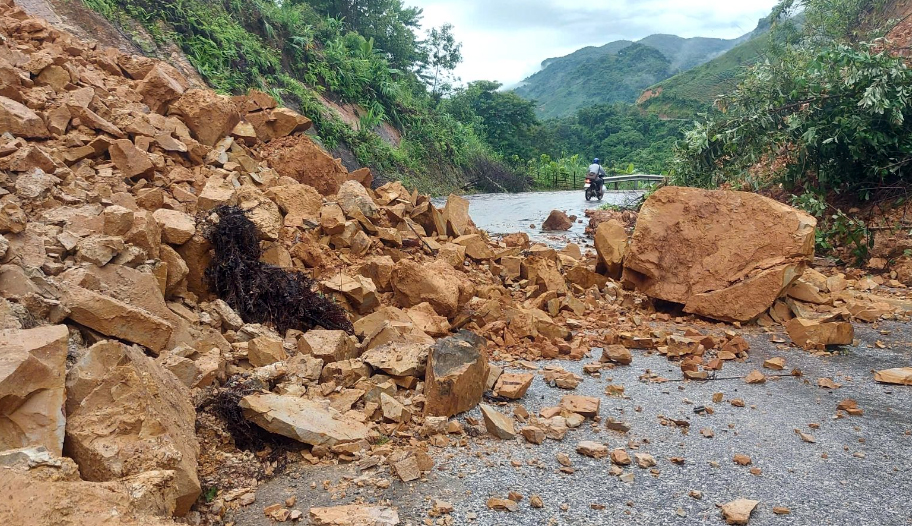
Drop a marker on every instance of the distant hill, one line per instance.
(616, 72)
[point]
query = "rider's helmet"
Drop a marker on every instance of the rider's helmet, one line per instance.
(595, 161)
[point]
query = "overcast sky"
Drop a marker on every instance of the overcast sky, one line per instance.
(506, 40)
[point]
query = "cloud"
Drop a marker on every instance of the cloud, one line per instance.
(506, 40)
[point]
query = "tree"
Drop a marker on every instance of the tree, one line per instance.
(507, 121)
(444, 53)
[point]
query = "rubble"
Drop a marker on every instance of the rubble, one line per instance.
(811, 333)
(497, 423)
(304, 420)
(354, 515)
(456, 373)
(899, 376)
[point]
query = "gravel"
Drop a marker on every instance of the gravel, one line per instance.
(855, 473)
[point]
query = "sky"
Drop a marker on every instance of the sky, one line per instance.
(506, 40)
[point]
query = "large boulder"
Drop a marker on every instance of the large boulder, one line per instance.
(436, 283)
(210, 116)
(20, 121)
(306, 421)
(117, 319)
(32, 387)
(127, 415)
(301, 159)
(610, 246)
(724, 255)
(456, 372)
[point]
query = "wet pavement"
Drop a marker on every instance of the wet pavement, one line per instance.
(509, 213)
(857, 471)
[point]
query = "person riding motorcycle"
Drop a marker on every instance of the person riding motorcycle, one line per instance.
(597, 174)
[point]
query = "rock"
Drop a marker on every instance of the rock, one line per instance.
(329, 346)
(216, 192)
(393, 410)
(557, 220)
(208, 115)
(536, 502)
(436, 283)
(755, 377)
(299, 158)
(533, 434)
(456, 373)
(20, 121)
(502, 504)
(176, 227)
(353, 198)
(299, 202)
(513, 385)
(587, 406)
(456, 217)
(476, 247)
(358, 290)
(620, 457)
(644, 460)
(808, 333)
(426, 319)
(610, 248)
(738, 511)
(261, 211)
(497, 423)
(616, 354)
(332, 219)
(306, 421)
(345, 373)
(354, 515)
(130, 160)
(398, 359)
(117, 319)
(700, 248)
(264, 350)
(591, 449)
(585, 278)
(899, 376)
(776, 364)
(117, 220)
(32, 387)
(98, 250)
(160, 87)
(126, 415)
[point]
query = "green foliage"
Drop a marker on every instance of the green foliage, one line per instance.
(444, 53)
(835, 228)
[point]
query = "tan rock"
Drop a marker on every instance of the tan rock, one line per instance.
(899, 376)
(332, 219)
(306, 421)
(587, 406)
(533, 434)
(426, 319)
(98, 249)
(345, 373)
(616, 353)
(20, 121)
(476, 247)
(587, 448)
(353, 198)
(776, 364)
(456, 373)
(755, 377)
(610, 247)
(126, 415)
(738, 511)
(358, 290)
(117, 220)
(329, 346)
(216, 192)
(393, 410)
(585, 278)
(299, 202)
(117, 319)
(32, 386)
(513, 385)
(502, 504)
(807, 333)
(497, 423)
(160, 87)
(176, 227)
(714, 262)
(620, 457)
(557, 220)
(208, 115)
(399, 359)
(436, 283)
(354, 515)
(264, 350)
(644, 460)
(456, 217)
(130, 160)
(299, 158)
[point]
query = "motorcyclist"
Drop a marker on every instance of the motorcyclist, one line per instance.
(597, 174)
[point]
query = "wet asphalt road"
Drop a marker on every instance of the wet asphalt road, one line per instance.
(857, 472)
(508, 213)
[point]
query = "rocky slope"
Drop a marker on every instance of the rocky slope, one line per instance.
(131, 392)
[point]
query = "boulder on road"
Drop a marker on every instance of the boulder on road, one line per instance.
(557, 220)
(32, 387)
(722, 254)
(809, 333)
(304, 420)
(610, 247)
(497, 423)
(127, 415)
(456, 372)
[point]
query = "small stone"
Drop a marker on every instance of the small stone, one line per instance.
(620, 457)
(738, 512)
(497, 423)
(776, 364)
(644, 460)
(755, 377)
(592, 449)
(781, 510)
(536, 502)
(533, 434)
(742, 460)
(502, 504)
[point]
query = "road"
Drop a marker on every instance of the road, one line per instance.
(857, 472)
(508, 213)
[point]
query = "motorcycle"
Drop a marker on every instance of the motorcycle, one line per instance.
(594, 188)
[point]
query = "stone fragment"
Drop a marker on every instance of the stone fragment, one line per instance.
(587, 406)
(208, 115)
(620, 457)
(126, 415)
(264, 350)
(456, 217)
(616, 353)
(513, 385)
(32, 387)
(354, 515)
(700, 248)
(306, 421)
(502, 504)
(497, 423)
(898, 376)
(776, 364)
(456, 373)
(130, 160)
(738, 511)
(644, 460)
(610, 248)
(557, 220)
(436, 283)
(117, 319)
(329, 346)
(399, 359)
(176, 227)
(591, 449)
(20, 121)
(755, 377)
(533, 434)
(394, 410)
(809, 333)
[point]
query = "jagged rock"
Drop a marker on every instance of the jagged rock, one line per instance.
(126, 415)
(898, 376)
(436, 283)
(117, 319)
(497, 423)
(20, 121)
(557, 220)
(264, 350)
(352, 197)
(130, 160)
(398, 359)
(426, 319)
(617, 354)
(117, 220)
(261, 211)
(306, 421)
(32, 387)
(476, 247)
(208, 115)
(161, 86)
(299, 202)
(591, 449)
(533, 434)
(345, 373)
(176, 227)
(544, 274)
(329, 346)
(358, 290)
(217, 192)
(585, 278)
(806, 333)
(98, 250)
(393, 410)
(610, 247)
(456, 217)
(700, 248)
(354, 515)
(299, 158)
(513, 385)
(587, 406)
(456, 373)
(738, 511)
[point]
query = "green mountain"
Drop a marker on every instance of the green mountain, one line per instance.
(616, 72)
